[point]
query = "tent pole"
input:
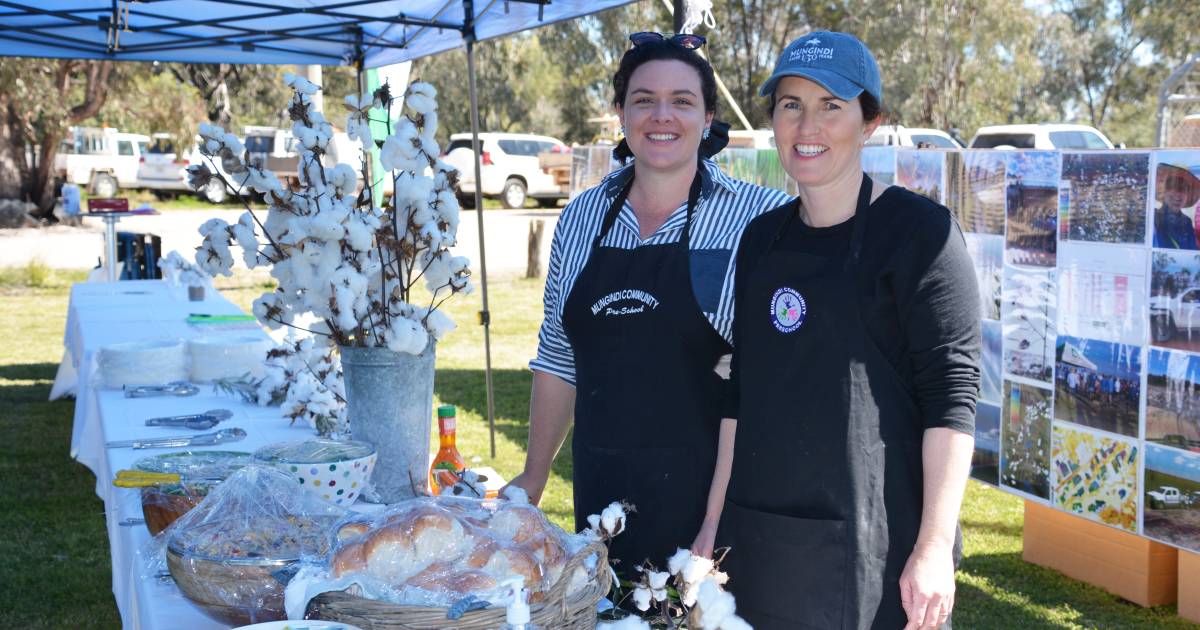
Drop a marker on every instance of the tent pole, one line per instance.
(485, 316)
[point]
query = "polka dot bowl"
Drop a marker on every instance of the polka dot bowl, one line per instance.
(333, 470)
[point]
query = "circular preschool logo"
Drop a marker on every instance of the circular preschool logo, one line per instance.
(787, 309)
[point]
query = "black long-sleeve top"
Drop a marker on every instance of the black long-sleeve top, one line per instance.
(918, 293)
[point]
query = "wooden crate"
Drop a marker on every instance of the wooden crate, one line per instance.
(1189, 586)
(1135, 568)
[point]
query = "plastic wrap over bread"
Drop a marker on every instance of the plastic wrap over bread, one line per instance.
(234, 552)
(442, 551)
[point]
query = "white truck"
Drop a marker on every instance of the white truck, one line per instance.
(1165, 496)
(104, 160)
(1170, 316)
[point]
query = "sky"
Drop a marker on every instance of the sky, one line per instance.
(1159, 359)
(1111, 358)
(1173, 462)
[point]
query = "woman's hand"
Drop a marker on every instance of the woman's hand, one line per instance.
(703, 545)
(927, 586)
(532, 486)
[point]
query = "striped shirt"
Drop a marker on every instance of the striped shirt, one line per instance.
(726, 206)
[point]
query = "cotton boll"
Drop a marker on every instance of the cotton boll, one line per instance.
(421, 98)
(632, 622)
(232, 143)
(243, 231)
(343, 179)
(677, 562)
(594, 522)
(438, 324)
(715, 605)
(359, 235)
(325, 227)
(612, 519)
(516, 494)
(641, 598)
(430, 126)
(300, 84)
(657, 579)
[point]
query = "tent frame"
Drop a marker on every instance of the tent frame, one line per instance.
(346, 30)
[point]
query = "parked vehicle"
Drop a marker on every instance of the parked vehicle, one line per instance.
(274, 148)
(104, 160)
(756, 139)
(1165, 496)
(901, 136)
(510, 168)
(1040, 136)
(1171, 315)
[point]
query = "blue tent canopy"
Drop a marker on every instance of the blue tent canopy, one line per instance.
(321, 32)
(361, 33)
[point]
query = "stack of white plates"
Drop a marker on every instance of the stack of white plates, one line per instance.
(143, 363)
(230, 356)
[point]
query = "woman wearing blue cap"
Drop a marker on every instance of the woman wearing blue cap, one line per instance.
(856, 373)
(638, 310)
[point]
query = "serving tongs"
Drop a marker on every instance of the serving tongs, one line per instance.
(204, 439)
(143, 479)
(176, 388)
(197, 421)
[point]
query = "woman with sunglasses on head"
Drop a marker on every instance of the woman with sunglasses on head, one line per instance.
(638, 311)
(854, 376)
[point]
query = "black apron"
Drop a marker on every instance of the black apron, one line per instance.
(824, 502)
(647, 402)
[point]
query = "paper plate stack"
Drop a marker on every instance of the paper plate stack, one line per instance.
(215, 358)
(143, 363)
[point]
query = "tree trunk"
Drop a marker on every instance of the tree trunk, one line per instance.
(12, 153)
(42, 190)
(533, 264)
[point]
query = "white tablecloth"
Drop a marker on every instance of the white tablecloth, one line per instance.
(101, 314)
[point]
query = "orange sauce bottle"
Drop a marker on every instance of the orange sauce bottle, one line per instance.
(449, 463)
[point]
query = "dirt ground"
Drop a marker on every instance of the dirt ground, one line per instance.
(1178, 527)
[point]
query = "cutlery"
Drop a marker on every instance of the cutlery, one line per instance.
(204, 439)
(198, 421)
(177, 388)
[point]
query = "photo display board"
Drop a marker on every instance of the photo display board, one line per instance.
(1088, 267)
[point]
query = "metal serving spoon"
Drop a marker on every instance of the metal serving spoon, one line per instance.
(197, 421)
(204, 439)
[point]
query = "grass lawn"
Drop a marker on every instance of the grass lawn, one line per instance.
(58, 573)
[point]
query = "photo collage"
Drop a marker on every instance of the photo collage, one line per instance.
(1088, 267)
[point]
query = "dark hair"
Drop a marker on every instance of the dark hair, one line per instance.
(664, 50)
(871, 108)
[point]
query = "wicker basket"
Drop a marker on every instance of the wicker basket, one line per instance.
(577, 612)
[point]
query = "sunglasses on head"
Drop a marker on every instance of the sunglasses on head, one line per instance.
(683, 40)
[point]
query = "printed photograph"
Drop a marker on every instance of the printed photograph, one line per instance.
(985, 463)
(1173, 399)
(987, 251)
(920, 170)
(1095, 476)
(1028, 314)
(1102, 292)
(1105, 195)
(1031, 201)
(976, 190)
(1174, 308)
(880, 164)
(1176, 198)
(991, 360)
(1171, 502)
(1025, 439)
(1098, 384)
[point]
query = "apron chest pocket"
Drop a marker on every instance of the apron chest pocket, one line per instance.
(785, 572)
(708, 268)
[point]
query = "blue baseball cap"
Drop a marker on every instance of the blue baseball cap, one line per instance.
(837, 61)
